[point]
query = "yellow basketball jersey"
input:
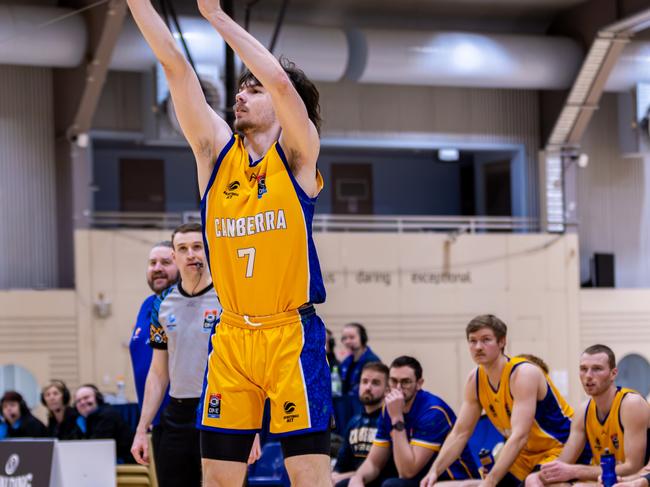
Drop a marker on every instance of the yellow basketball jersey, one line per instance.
(257, 227)
(607, 434)
(552, 415)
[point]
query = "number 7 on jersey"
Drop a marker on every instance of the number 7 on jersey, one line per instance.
(249, 253)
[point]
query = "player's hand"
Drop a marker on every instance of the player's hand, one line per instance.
(256, 450)
(429, 479)
(555, 471)
(209, 8)
(140, 448)
(395, 404)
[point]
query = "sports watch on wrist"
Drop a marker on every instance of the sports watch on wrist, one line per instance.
(399, 426)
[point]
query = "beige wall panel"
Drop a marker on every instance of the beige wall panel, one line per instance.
(38, 331)
(112, 263)
(427, 319)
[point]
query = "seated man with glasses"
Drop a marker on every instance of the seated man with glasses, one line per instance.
(412, 427)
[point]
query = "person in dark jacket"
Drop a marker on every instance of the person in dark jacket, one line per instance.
(18, 420)
(355, 339)
(61, 417)
(98, 420)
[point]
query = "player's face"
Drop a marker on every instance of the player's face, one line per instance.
(484, 346)
(11, 411)
(85, 401)
(253, 108)
(189, 253)
(53, 398)
(161, 270)
(595, 374)
(372, 388)
(403, 378)
(351, 339)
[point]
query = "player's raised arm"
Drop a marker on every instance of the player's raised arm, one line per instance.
(299, 136)
(204, 130)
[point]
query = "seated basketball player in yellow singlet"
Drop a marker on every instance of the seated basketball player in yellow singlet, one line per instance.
(519, 399)
(613, 418)
(259, 188)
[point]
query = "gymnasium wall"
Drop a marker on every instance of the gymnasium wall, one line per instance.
(414, 292)
(613, 204)
(28, 234)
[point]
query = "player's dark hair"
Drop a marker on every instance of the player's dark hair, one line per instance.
(377, 367)
(600, 348)
(186, 228)
(406, 361)
(303, 85)
(363, 334)
(487, 321)
(536, 360)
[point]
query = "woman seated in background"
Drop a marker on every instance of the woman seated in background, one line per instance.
(61, 417)
(17, 421)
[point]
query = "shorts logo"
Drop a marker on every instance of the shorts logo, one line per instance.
(231, 189)
(289, 408)
(214, 406)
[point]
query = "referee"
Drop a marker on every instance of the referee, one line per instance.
(181, 323)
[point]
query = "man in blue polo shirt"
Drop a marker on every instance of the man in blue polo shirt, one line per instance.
(412, 427)
(161, 274)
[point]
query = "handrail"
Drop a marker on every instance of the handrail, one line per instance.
(336, 223)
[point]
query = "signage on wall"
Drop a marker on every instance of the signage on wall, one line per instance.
(396, 278)
(26, 463)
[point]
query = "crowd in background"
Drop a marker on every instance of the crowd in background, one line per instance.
(84, 416)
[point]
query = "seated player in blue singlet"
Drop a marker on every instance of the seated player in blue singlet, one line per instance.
(412, 428)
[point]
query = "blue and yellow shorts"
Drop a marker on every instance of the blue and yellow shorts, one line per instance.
(281, 357)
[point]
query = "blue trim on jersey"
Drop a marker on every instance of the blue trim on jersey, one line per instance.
(301, 192)
(213, 176)
(317, 293)
(316, 372)
(548, 412)
(199, 409)
(551, 419)
(217, 165)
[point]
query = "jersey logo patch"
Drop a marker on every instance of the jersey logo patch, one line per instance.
(214, 406)
(231, 189)
(261, 185)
